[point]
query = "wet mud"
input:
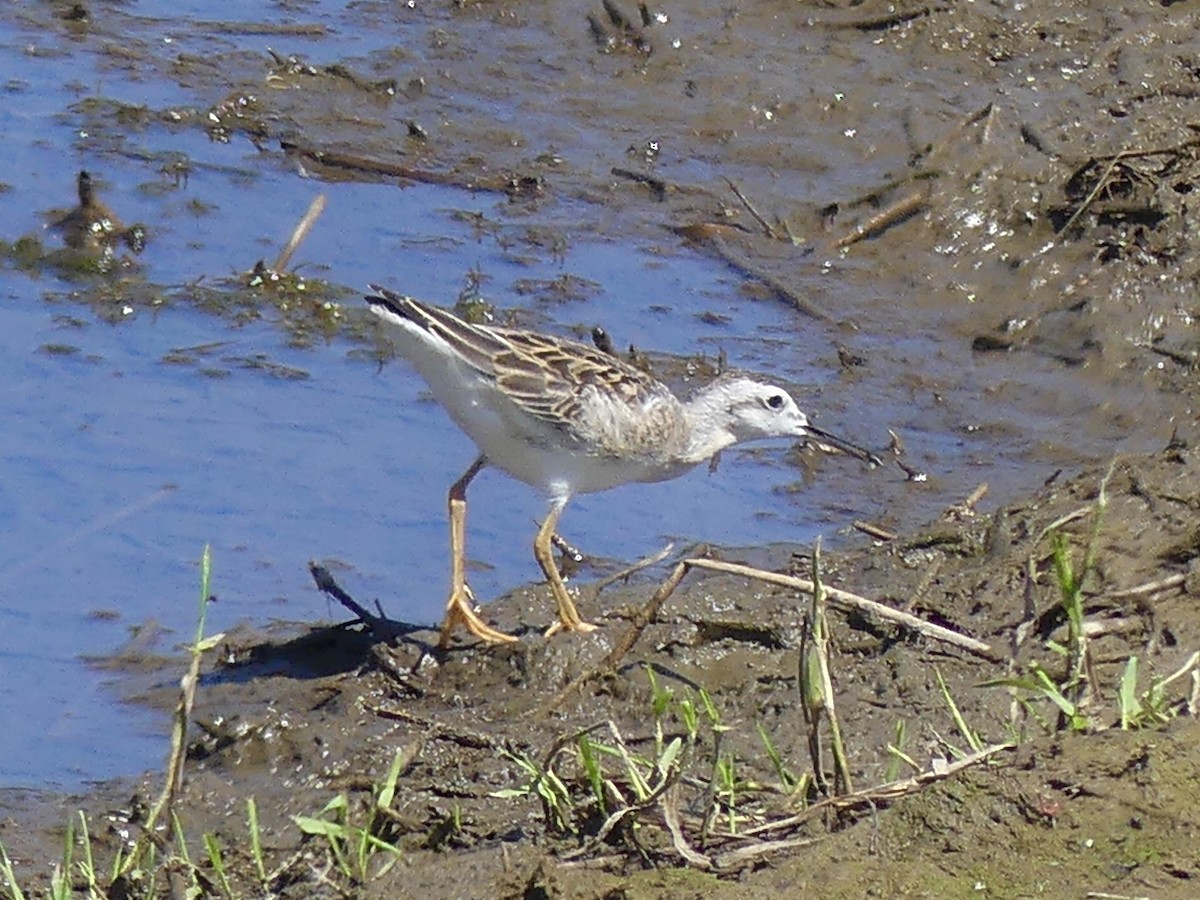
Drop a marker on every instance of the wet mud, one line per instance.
(1040, 209)
(296, 718)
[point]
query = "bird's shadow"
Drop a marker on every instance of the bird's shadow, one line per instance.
(369, 640)
(318, 652)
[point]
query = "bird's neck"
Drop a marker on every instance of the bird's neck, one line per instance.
(708, 425)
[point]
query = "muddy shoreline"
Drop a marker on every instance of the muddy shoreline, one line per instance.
(295, 720)
(986, 215)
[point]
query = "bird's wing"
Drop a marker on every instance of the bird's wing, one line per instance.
(544, 376)
(548, 377)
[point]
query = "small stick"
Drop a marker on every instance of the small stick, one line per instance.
(1157, 151)
(903, 209)
(382, 628)
(433, 729)
(966, 509)
(893, 790)
(988, 119)
(766, 226)
(976, 495)
(984, 114)
(1101, 183)
(641, 619)
(643, 563)
(670, 812)
(790, 296)
(561, 545)
(1070, 517)
(742, 855)
(710, 236)
(326, 585)
(845, 599)
(496, 182)
(303, 227)
(874, 531)
(178, 753)
(1150, 587)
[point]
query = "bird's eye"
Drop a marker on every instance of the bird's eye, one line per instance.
(775, 401)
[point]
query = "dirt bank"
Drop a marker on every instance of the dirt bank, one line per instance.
(1051, 191)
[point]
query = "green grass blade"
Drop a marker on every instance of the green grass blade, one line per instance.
(217, 860)
(960, 723)
(387, 791)
(9, 876)
(256, 840)
(1127, 700)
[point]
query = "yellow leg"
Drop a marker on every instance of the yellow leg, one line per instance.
(460, 608)
(568, 615)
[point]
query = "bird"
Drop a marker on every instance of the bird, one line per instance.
(93, 227)
(91, 224)
(569, 419)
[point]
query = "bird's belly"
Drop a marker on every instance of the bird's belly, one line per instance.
(540, 457)
(519, 448)
(564, 473)
(602, 473)
(533, 451)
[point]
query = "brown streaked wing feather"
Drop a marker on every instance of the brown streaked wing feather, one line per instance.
(546, 376)
(543, 375)
(478, 345)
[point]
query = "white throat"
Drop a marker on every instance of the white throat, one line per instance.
(710, 424)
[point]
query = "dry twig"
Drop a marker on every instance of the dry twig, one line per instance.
(767, 227)
(900, 211)
(893, 790)
(644, 563)
(300, 232)
(643, 618)
(847, 600)
(382, 628)
(1149, 587)
(1101, 183)
(966, 509)
(875, 531)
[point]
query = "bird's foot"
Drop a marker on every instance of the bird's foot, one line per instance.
(460, 610)
(578, 626)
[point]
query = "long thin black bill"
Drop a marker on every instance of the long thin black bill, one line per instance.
(832, 440)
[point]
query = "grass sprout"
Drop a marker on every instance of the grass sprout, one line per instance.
(354, 845)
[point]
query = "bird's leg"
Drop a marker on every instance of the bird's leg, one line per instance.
(460, 608)
(568, 615)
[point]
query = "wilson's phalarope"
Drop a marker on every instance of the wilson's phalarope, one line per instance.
(569, 419)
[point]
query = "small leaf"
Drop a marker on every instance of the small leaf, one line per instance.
(309, 825)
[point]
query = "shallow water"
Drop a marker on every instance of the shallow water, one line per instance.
(119, 465)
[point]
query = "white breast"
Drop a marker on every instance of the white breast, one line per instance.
(527, 448)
